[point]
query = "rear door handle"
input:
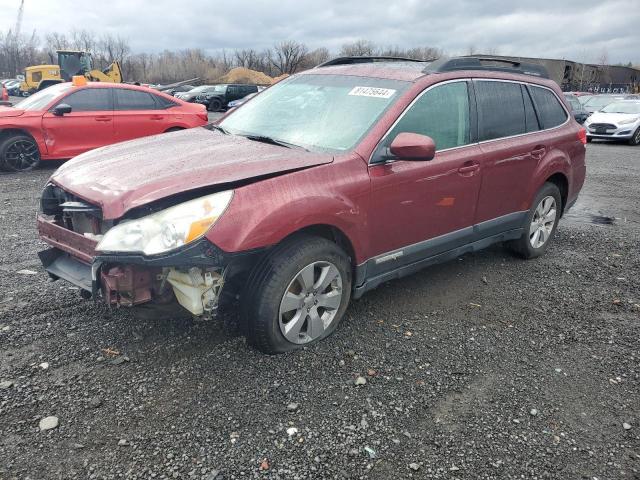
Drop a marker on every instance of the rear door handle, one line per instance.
(538, 152)
(469, 168)
(157, 117)
(103, 119)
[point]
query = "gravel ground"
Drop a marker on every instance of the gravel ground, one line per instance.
(485, 367)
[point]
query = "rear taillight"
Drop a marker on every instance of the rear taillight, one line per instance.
(582, 136)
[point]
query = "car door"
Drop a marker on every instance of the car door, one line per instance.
(88, 126)
(137, 114)
(423, 208)
(511, 150)
(234, 92)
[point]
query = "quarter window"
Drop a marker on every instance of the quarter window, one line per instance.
(441, 113)
(501, 111)
(549, 108)
(89, 100)
(134, 100)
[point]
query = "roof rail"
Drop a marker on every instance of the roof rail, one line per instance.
(487, 64)
(365, 59)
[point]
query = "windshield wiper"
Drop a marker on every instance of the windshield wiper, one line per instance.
(272, 141)
(219, 128)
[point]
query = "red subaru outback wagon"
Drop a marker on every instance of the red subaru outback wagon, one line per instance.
(317, 190)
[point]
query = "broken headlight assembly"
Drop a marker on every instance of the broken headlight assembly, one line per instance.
(167, 229)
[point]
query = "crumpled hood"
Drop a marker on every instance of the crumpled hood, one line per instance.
(603, 117)
(130, 174)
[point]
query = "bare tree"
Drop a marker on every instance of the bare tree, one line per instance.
(287, 56)
(359, 48)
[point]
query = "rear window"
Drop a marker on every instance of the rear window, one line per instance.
(549, 107)
(89, 100)
(500, 109)
(134, 100)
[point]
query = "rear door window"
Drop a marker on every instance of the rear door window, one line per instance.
(501, 111)
(530, 117)
(548, 106)
(441, 113)
(134, 100)
(89, 100)
(164, 102)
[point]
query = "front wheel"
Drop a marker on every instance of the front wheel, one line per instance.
(542, 221)
(635, 139)
(297, 295)
(19, 153)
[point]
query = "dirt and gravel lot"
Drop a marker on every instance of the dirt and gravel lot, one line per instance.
(485, 367)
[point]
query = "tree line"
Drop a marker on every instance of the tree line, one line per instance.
(284, 57)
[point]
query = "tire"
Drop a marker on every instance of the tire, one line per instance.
(173, 129)
(528, 245)
(589, 139)
(215, 105)
(268, 325)
(635, 139)
(19, 153)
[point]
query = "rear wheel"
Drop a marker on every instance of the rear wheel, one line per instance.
(215, 105)
(635, 139)
(19, 153)
(297, 295)
(541, 223)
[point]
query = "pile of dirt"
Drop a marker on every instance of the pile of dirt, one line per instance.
(246, 75)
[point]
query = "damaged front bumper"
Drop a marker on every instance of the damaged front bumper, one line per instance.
(193, 275)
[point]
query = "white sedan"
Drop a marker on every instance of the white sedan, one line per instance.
(616, 121)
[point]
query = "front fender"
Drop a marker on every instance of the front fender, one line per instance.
(264, 213)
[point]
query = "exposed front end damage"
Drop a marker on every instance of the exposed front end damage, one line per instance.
(193, 276)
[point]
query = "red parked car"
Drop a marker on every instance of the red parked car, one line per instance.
(65, 120)
(322, 187)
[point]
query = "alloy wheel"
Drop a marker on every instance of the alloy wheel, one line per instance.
(21, 155)
(544, 219)
(310, 302)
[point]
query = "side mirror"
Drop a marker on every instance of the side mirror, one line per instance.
(413, 146)
(60, 110)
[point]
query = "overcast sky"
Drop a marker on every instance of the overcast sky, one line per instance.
(573, 29)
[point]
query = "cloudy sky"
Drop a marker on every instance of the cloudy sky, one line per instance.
(575, 29)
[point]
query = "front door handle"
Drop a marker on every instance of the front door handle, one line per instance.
(157, 117)
(103, 119)
(468, 168)
(538, 152)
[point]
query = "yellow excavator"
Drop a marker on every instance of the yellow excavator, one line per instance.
(70, 63)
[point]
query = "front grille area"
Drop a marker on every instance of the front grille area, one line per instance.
(607, 126)
(71, 212)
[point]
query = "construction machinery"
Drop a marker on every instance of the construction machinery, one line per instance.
(70, 63)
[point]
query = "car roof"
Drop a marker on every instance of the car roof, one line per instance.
(412, 71)
(406, 71)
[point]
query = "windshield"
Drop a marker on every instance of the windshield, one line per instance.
(40, 100)
(317, 112)
(600, 101)
(622, 107)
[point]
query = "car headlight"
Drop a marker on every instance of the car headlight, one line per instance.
(168, 229)
(628, 121)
